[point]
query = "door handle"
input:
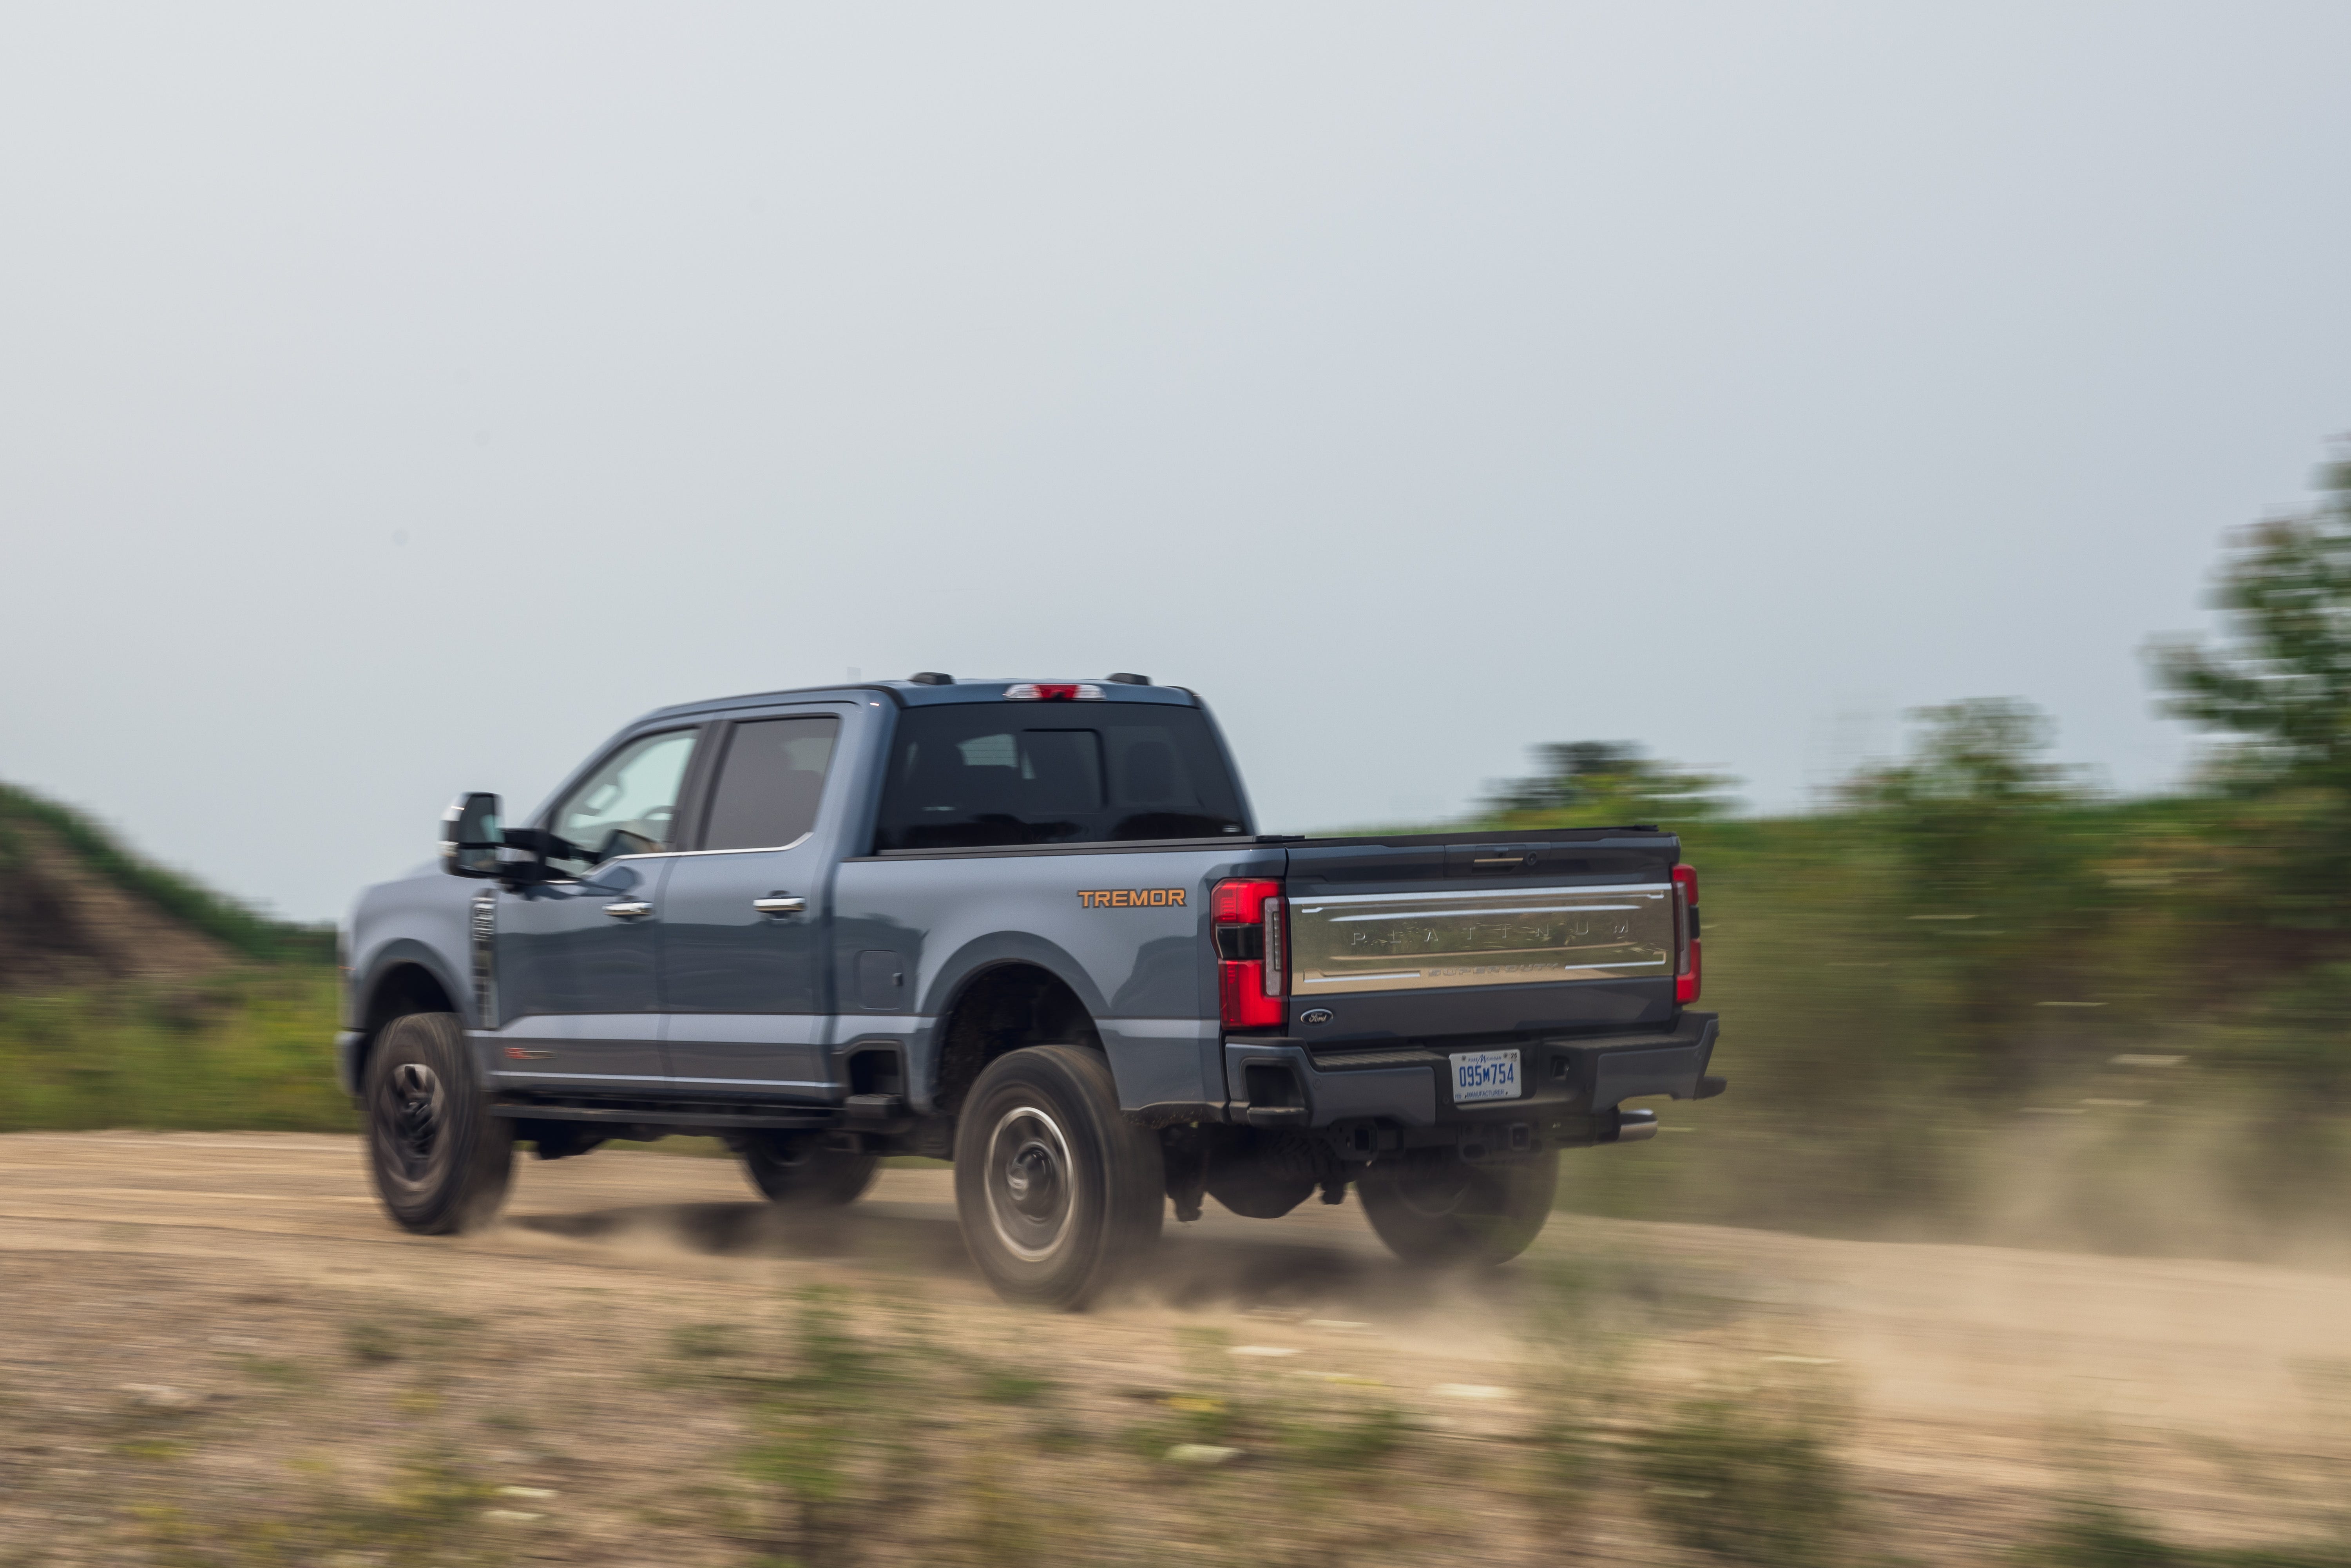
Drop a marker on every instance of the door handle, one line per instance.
(628, 910)
(779, 904)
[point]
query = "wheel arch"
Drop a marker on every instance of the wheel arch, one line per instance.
(406, 977)
(953, 980)
(1001, 1006)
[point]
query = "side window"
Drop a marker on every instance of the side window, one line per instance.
(771, 782)
(627, 806)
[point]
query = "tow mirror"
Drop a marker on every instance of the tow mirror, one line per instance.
(472, 837)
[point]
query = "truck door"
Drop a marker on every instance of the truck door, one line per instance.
(578, 1005)
(744, 917)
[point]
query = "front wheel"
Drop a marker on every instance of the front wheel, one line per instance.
(440, 1160)
(1434, 1208)
(796, 1169)
(1059, 1195)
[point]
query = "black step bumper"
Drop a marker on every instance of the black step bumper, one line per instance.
(1571, 1087)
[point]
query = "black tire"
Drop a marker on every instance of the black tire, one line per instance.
(1432, 1207)
(1059, 1195)
(441, 1162)
(797, 1170)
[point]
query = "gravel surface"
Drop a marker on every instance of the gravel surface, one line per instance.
(215, 1349)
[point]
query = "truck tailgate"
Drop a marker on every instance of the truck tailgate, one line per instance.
(1374, 942)
(1480, 934)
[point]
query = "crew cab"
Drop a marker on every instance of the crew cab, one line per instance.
(1029, 927)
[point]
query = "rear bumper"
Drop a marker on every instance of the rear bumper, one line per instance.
(1369, 1099)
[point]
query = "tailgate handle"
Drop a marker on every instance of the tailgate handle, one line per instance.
(1500, 862)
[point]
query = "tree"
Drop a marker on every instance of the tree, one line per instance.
(1604, 783)
(2282, 691)
(1969, 807)
(1983, 752)
(1998, 891)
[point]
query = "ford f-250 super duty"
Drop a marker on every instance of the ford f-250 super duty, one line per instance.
(1029, 927)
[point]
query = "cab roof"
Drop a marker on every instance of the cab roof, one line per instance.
(934, 692)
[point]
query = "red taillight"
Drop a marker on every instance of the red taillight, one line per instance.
(1688, 974)
(1240, 989)
(1245, 920)
(1240, 903)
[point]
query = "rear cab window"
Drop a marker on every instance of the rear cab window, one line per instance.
(771, 782)
(970, 775)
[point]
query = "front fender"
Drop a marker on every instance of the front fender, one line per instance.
(385, 969)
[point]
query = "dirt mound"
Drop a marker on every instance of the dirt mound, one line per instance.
(61, 923)
(77, 908)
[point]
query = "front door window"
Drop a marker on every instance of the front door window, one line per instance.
(627, 807)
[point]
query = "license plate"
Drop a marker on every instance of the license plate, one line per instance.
(1485, 1075)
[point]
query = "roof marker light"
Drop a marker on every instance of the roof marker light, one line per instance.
(1051, 692)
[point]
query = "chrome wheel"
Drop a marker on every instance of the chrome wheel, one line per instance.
(1058, 1193)
(1029, 1198)
(410, 1113)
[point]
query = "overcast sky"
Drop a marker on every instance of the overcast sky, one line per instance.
(397, 399)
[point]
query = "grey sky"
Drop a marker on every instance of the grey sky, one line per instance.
(397, 399)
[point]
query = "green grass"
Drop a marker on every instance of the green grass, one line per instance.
(2102, 1537)
(431, 1512)
(1747, 1482)
(247, 1050)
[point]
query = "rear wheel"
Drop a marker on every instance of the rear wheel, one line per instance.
(1060, 1193)
(441, 1161)
(797, 1169)
(1435, 1207)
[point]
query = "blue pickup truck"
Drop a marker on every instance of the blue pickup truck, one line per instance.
(1029, 927)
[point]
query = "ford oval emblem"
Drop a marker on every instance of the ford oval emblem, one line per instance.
(1315, 1014)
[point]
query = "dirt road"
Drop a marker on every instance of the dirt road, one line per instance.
(215, 1349)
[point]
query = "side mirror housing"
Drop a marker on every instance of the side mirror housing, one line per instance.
(473, 837)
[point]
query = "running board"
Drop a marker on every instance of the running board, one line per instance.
(666, 1115)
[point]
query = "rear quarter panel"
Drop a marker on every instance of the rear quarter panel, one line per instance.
(1143, 970)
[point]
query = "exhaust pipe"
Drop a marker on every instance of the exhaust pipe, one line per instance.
(1633, 1126)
